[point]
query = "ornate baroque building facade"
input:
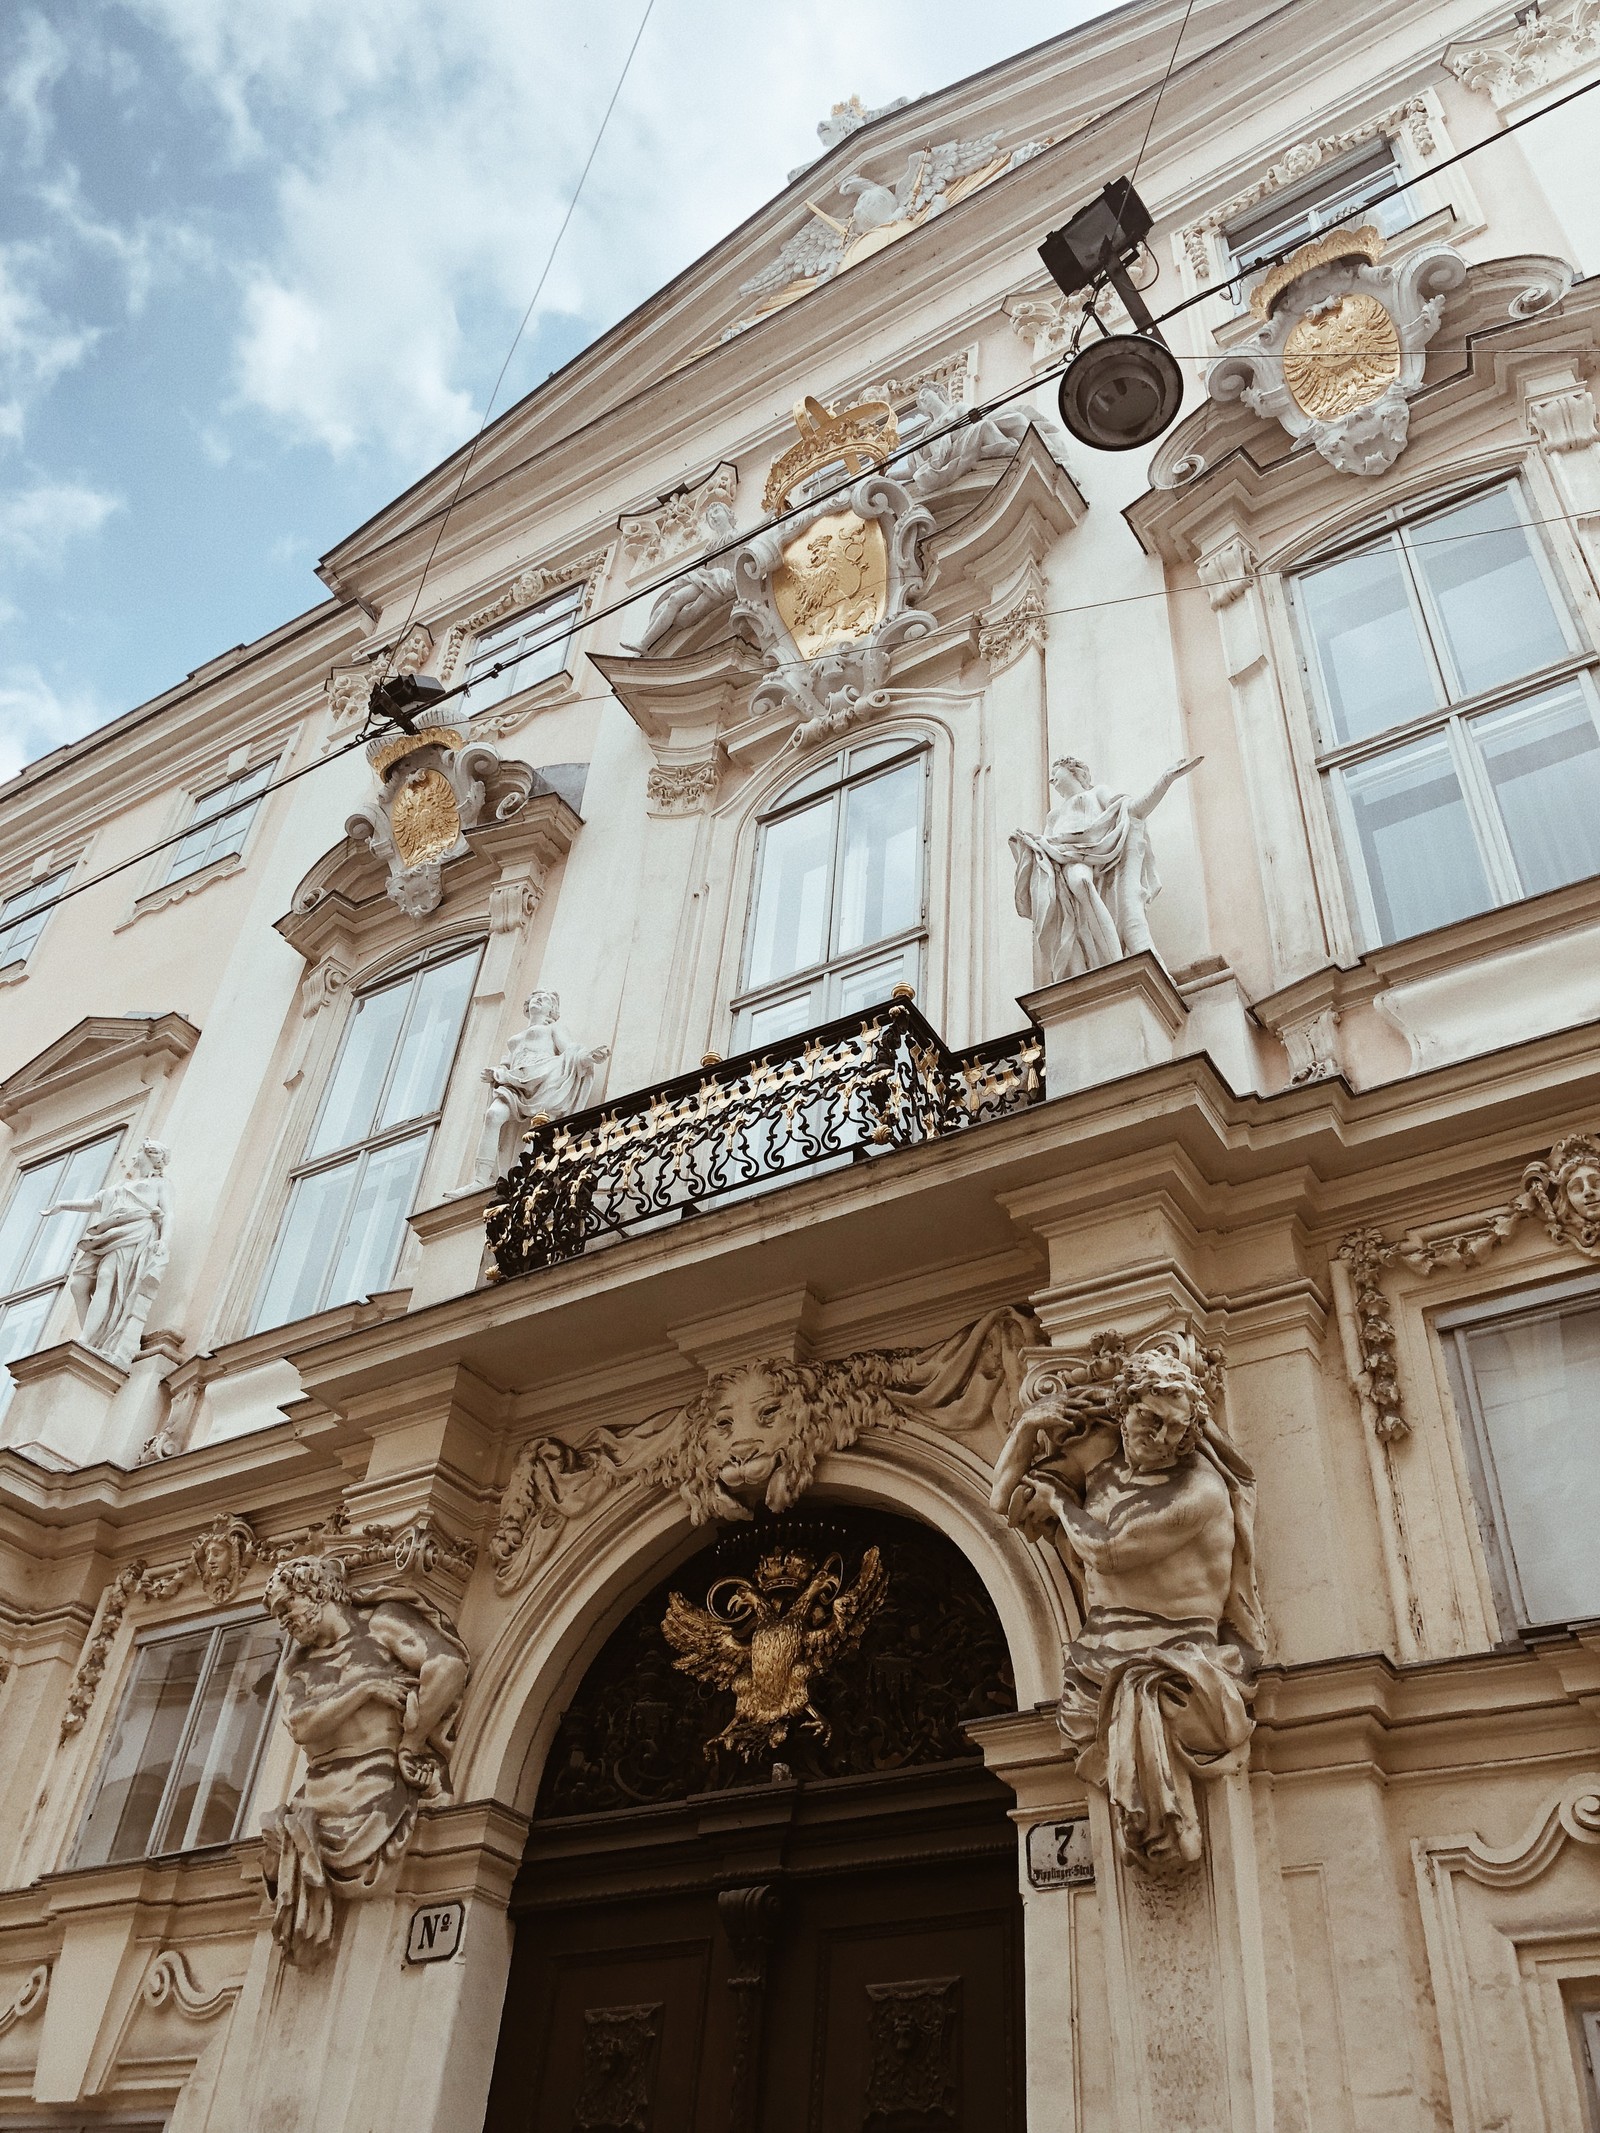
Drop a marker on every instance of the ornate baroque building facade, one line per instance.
(825, 1365)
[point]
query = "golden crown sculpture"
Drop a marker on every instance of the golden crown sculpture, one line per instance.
(862, 436)
(387, 750)
(1363, 243)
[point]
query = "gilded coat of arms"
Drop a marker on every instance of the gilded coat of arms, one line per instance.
(833, 583)
(768, 1638)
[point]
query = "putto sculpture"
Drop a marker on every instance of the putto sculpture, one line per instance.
(1121, 1459)
(544, 1072)
(1085, 878)
(369, 1688)
(755, 1435)
(121, 1255)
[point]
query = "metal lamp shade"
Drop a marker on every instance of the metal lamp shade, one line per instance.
(1121, 392)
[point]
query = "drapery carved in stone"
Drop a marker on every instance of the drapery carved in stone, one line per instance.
(756, 1433)
(1119, 1456)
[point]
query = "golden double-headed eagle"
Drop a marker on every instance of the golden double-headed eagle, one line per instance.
(767, 1639)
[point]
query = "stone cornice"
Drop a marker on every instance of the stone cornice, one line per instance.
(97, 1045)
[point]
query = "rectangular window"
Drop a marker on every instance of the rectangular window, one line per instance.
(1342, 192)
(342, 1231)
(36, 1246)
(187, 1740)
(537, 642)
(23, 916)
(1528, 1381)
(222, 819)
(1458, 713)
(837, 911)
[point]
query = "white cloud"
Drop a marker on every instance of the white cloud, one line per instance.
(36, 717)
(35, 63)
(425, 155)
(37, 524)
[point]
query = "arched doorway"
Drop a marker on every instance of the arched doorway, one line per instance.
(760, 1901)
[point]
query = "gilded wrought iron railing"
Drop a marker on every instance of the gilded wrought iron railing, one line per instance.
(847, 1091)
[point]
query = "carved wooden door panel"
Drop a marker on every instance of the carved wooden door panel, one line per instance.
(894, 2005)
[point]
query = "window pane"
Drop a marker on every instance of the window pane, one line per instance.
(1422, 860)
(791, 928)
(782, 1018)
(35, 1189)
(376, 1223)
(310, 1236)
(1543, 760)
(817, 780)
(23, 916)
(429, 1042)
(864, 988)
(21, 1325)
(545, 624)
(1496, 613)
(148, 1731)
(880, 885)
(1539, 1388)
(1364, 634)
(358, 1080)
(217, 1764)
(46, 1251)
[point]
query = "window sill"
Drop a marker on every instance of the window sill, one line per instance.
(174, 892)
(14, 973)
(495, 721)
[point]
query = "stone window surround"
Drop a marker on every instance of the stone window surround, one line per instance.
(1329, 753)
(1416, 130)
(531, 585)
(315, 1051)
(55, 862)
(199, 780)
(1263, 659)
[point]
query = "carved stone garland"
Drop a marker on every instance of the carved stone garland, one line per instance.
(1561, 1191)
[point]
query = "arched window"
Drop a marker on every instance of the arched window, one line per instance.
(838, 905)
(342, 1230)
(1458, 714)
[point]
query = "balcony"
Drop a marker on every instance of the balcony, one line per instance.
(845, 1093)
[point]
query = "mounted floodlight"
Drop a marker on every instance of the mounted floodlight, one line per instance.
(402, 696)
(1126, 388)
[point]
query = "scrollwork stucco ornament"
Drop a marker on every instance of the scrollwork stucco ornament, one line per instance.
(1119, 1456)
(1342, 345)
(433, 786)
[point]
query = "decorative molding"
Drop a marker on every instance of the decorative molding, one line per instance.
(1565, 421)
(1047, 322)
(526, 590)
(322, 984)
(186, 885)
(1003, 637)
(676, 524)
(96, 1046)
(755, 1435)
(169, 1981)
(682, 788)
(1414, 117)
(434, 784)
(103, 1631)
(1227, 571)
(1343, 346)
(913, 2051)
(1539, 52)
(1560, 1191)
(350, 685)
(28, 2000)
(513, 903)
(1313, 1047)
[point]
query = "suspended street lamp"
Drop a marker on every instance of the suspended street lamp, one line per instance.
(1126, 388)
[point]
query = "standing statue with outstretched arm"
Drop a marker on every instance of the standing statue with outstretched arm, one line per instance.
(544, 1073)
(1086, 877)
(121, 1254)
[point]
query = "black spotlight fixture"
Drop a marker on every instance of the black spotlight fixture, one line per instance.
(1126, 388)
(402, 696)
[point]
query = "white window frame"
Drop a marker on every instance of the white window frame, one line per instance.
(34, 897)
(357, 1154)
(52, 1286)
(825, 979)
(504, 637)
(1550, 1300)
(214, 1628)
(1300, 212)
(1580, 662)
(230, 824)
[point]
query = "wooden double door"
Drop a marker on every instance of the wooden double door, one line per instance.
(832, 1957)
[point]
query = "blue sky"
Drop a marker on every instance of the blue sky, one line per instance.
(260, 261)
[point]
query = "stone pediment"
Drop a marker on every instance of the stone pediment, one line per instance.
(96, 1046)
